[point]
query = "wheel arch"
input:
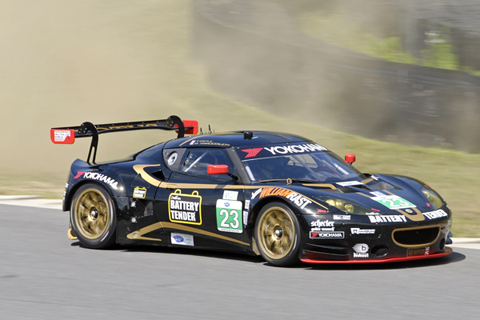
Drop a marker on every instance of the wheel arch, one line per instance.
(262, 203)
(69, 197)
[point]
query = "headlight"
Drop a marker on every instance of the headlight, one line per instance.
(432, 197)
(344, 205)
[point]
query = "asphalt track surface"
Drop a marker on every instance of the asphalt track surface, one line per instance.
(43, 275)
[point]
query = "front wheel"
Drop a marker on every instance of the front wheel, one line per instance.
(277, 234)
(93, 216)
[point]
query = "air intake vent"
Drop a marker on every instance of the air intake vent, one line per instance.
(411, 237)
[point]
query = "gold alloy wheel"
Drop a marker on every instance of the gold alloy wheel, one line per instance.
(91, 214)
(276, 233)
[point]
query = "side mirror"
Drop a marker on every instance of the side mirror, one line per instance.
(350, 158)
(217, 169)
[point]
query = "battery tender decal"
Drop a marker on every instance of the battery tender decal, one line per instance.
(185, 208)
(229, 216)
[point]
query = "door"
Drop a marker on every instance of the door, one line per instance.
(200, 209)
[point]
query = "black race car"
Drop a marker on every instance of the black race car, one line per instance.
(277, 195)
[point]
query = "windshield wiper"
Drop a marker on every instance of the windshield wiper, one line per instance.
(286, 180)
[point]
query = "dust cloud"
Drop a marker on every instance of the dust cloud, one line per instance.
(66, 62)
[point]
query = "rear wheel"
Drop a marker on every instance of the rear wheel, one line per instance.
(93, 216)
(277, 234)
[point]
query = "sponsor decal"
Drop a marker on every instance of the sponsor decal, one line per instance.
(321, 211)
(341, 217)
(230, 195)
(418, 252)
(362, 231)
(299, 200)
(322, 223)
(79, 174)
(65, 191)
(274, 191)
(317, 234)
(172, 158)
(299, 148)
(435, 214)
(139, 192)
(393, 202)
(127, 126)
(361, 250)
(252, 152)
(181, 239)
(185, 208)
(256, 193)
(286, 149)
(349, 183)
(247, 204)
(378, 194)
(98, 177)
(245, 217)
(229, 216)
(208, 143)
(387, 218)
(296, 198)
(62, 135)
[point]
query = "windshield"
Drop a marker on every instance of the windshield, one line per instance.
(320, 166)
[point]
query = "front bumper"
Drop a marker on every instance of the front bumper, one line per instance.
(362, 243)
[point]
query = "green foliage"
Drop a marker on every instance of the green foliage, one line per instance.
(440, 52)
(335, 29)
(389, 49)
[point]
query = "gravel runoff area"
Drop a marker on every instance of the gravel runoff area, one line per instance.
(56, 204)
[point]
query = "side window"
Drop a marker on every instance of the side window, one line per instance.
(172, 158)
(196, 161)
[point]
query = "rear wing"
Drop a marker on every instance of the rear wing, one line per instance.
(67, 135)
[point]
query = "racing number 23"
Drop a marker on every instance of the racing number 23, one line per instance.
(395, 202)
(228, 216)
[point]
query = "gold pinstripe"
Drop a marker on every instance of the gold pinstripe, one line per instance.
(139, 168)
(176, 226)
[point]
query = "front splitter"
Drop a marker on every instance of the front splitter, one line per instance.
(448, 250)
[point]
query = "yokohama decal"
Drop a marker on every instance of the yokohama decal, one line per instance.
(287, 149)
(98, 177)
(300, 148)
(315, 234)
(252, 152)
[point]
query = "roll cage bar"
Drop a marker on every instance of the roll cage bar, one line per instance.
(67, 135)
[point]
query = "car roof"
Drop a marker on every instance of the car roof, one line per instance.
(236, 139)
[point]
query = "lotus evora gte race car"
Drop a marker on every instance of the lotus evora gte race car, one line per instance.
(277, 195)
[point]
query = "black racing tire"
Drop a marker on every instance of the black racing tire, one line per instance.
(93, 216)
(277, 234)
